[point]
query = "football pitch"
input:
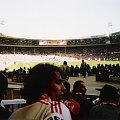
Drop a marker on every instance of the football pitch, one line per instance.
(92, 63)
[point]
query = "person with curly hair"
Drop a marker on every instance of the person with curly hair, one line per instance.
(43, 87)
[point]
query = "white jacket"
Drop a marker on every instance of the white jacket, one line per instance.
(45, 109)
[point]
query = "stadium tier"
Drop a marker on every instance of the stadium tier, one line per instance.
(99, 47)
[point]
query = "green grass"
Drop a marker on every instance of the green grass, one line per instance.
(31, 64)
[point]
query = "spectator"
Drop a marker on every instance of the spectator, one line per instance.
(108, 108)
(76, 71)
(71, 71)
(4, 113)
(83, 68)
(65, 68)
(42, 89)
(73, 105)
(78, 94)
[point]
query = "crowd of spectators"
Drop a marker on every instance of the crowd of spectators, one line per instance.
(107, 72)
(93, 48)
(94, 52)
(49, 96)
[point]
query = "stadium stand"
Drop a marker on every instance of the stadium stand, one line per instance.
(99, 47)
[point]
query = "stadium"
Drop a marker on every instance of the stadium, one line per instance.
(59, 60)
(19, 55)
(16, 53)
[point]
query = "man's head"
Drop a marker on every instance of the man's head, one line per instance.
(65, 62)
(43, 78)
(79, 86)
(109, 94)
(82, 60)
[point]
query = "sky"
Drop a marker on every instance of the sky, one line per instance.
(59, 19)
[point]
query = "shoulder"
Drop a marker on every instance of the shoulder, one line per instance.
(30, 112)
